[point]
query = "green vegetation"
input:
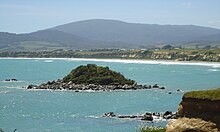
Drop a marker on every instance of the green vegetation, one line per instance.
(32, 46)
(210, 55)
(93, 74)
(213, 94)
(152, 129)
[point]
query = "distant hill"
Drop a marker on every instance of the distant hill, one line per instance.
(48, 40)
(99, 33)
(47, 37)
(136, 34)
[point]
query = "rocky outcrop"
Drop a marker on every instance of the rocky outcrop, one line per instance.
(9, 80)
(61, 85)
(208, 110)
(191, 125)
(93, 77)
(149, 116)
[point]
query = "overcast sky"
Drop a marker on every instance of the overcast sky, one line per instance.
(21, 16)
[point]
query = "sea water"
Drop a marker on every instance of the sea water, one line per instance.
(55, 111)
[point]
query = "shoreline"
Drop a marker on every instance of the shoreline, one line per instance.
(131, 61)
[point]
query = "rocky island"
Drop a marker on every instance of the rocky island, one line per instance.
(93, 77)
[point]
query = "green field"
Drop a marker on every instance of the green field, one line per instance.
(32, 46)
(213, 94)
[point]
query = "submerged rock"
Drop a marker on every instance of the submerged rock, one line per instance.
(109, 114)
(145, 117)
(31, 86)
(13, 79)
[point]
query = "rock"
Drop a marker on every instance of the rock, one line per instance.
(49, 83)
(155, 86)
(191, 125)
(156, 114)
(31, 86)
(133, 116)
(61, 85)
(162, 88)
(147, 117)
(13, 79)
(167, 113)
(147, 113)
(109, 114)
(146, 87)
(124, 116)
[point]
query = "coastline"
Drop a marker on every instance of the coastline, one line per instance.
(132, 61)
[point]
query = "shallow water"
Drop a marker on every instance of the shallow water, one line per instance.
(45, 110)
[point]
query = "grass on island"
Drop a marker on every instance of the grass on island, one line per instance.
(93, 74)
(152, 129)
(213, 94)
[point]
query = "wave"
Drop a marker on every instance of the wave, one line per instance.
(213, 70)
(48, 61)
(12, 87)
(136, 61)
(3, 92)
(11, 81)
(92, 116)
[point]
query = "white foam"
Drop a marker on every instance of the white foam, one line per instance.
(136, 61)
(48, 61)
(11, 81)
(14, 87)
(92, 116)
(213, 70)
(3, 92)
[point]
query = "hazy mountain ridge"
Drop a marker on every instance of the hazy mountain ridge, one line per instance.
(100, 33)
(134, 33)
(53, 38)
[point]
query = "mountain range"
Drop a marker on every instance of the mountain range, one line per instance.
(100, 33)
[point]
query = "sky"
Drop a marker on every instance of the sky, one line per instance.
(23, 16)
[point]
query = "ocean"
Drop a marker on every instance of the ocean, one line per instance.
(56, 111)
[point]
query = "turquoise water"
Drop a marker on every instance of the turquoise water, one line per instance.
(34, 111)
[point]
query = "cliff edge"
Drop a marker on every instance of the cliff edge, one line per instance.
(201, 104)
